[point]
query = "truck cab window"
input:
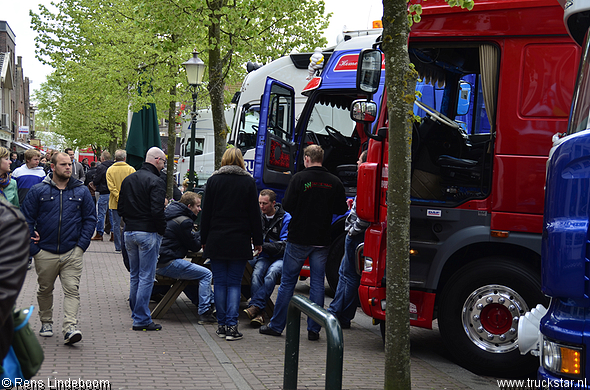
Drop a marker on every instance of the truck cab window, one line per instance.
(280, 112)
(248, 128)
(581, 99)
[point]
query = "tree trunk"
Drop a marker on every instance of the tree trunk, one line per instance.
(216, 83)
(123, 134)
(171, 143)
(400, 84)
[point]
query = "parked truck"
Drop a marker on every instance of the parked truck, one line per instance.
(505, 75)
(558, 334)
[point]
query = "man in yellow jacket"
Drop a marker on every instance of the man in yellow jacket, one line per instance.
(115, 176)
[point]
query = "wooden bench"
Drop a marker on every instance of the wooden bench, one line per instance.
(178, 285)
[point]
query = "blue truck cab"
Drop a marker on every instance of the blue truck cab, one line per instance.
(325, 121)
(560, 334)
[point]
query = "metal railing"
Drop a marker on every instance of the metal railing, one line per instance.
(335, 353)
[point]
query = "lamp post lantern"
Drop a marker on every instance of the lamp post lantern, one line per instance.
(195, 68)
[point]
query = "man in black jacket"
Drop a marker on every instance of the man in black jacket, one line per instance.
(180, 237)
(314, 195)
(100, 184)
(141, 205)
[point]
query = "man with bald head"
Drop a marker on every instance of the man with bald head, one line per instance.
(141, 206)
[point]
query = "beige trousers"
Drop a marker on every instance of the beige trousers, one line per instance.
(68, 266)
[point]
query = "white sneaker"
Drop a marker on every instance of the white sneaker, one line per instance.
(46, 330)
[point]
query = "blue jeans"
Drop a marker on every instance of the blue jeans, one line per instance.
(293, 260)
(227, 282)
(265, 274)
(116, 228)
(143, 249)
(200, 295)
(346, 299)
(103, 208)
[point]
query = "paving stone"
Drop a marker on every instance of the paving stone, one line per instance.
(184, 355)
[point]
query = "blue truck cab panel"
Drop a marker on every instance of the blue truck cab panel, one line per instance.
(566, 264)
(564, 331)
(324, 120)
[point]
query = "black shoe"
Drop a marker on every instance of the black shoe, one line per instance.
(73, 336)
(345, 325)
(207, 318)
(264, 329)
(220, 331)
(313, 336)
(232, 333)
(150, 326)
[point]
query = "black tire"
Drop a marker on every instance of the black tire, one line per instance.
(477, 315)
(334, 259)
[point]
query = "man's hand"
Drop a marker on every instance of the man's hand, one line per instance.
(36, 238)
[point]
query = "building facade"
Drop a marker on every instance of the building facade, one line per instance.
(17, 125)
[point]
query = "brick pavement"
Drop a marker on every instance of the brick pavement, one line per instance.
(185, 355)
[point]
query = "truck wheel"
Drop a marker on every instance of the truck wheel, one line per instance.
(478, 315)
(334, 259)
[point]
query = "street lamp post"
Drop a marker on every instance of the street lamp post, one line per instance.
(195, 68)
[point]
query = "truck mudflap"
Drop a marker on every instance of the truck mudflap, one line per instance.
(421, 308)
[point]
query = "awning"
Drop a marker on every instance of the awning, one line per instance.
(22, 146)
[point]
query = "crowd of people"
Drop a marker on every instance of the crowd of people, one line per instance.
(68, 204)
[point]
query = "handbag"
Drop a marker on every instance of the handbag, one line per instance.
(25, 344)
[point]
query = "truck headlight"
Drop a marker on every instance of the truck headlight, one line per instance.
(562, 359)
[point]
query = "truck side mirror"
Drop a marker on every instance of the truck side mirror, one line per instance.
(464, 98)
(363, 110)
(368, 72)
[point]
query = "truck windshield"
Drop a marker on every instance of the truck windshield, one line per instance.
(325, 115)
(581, 100)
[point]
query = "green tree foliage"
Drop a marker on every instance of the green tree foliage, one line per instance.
(103, 50)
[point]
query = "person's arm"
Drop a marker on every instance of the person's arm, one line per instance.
(290, 198)
(254, 215)
(88, 219)
(340, 205)
(14, 257)
(191, 238)
(277, 248)
(207, 206)
(82, 173)
(359, 225)
(30, 209)
(112, 186)
(158, 203)
(98, 176)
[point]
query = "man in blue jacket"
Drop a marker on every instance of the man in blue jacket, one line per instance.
(268, 265)
(61, 217)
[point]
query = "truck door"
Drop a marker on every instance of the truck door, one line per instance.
(275, 148)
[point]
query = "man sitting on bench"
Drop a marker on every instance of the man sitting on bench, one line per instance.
(179, 238)
(267, 267)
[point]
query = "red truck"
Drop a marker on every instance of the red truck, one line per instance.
(496, 85)
(503, 76)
